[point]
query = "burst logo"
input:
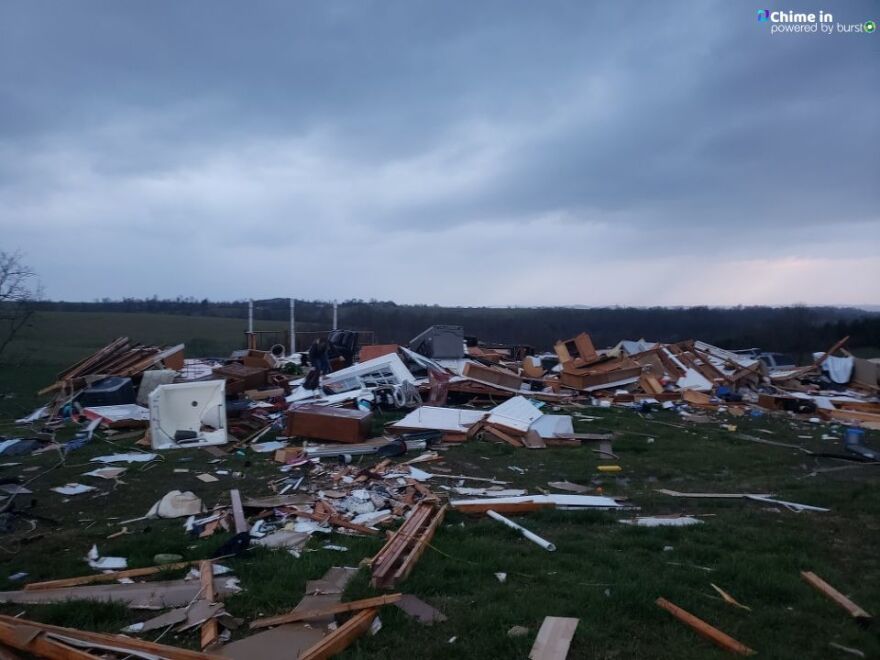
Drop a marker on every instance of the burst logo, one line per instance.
(763, 15)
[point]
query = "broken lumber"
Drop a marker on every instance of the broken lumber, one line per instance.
(702, 628)
(827, 590)
(210, 632)
(341, 638)
(321, 612)
(553, 638)
(116, 641)
(241, 524)
(396, 559)
(107, 577)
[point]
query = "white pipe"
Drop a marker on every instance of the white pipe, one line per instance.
(250, 316)
(534, 538)
(334, 316)
(292, 330)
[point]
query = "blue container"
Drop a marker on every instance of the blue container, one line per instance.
(853, 436)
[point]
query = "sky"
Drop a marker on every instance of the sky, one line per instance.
(447, 152)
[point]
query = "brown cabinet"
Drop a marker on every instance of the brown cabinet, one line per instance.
(324, 423)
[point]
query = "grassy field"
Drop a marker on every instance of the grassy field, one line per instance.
(604, 573)
(55, 340)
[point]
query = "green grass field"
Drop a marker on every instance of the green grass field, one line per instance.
(604, 573)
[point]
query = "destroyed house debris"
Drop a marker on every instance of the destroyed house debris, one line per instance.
(313, 429)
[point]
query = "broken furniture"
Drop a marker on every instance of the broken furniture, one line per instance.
(327, 423)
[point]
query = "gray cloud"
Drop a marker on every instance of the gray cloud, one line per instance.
(677, 153)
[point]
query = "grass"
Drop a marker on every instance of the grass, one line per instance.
(604, 573)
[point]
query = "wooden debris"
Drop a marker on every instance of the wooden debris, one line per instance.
(241, 524)
(210, 628)
(818, 583)
(702, 628)
(107, 577)
(341, 638)
(553, 638)
(394, 562)
(730, 600)
(106, 640)
(305, 615)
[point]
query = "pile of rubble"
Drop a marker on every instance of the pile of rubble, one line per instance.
(444, 389)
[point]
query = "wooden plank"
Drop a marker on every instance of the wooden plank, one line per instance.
(170, 652)
(826, 589)
(241, 525)
(34, 641)
(210, 629)
(512, 507)
(341, 638)
(392, 550)
(501, 435)
(107, 577)
(553, 638)
(420, 546)
(305, 615)
(702, 628)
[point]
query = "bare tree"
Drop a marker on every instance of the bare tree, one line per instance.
(19, 290)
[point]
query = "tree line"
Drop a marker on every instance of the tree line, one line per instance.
(793, 329)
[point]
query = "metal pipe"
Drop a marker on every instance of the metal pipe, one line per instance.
(534, 538)
(250, 316)
(335, 325)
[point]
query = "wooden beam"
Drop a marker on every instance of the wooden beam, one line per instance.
(107, 577)
(341, 638)
(826, 589)
(210, 628)
(711, 633)
(34, 641)
(241, 524)
(321, 612)
(162, 650)
(553, 638)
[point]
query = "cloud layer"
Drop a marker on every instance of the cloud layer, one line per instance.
(443, 152)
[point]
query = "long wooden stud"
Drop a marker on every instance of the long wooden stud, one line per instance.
(826, 589)
(321, 612)
(341, 638)
(210, 629)
(161, 650)
(711, 633)
(38, 644)
(241, 524)
(106, 577)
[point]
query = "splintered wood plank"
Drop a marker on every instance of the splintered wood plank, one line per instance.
(119, 641)
(553, 638)
(702, 628)
(319, 613)
(210, 629)
(241, 524)
(106, 577)
(341, 638)
(818, 583)
(34, 642)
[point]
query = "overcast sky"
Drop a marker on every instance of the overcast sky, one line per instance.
(449, 152)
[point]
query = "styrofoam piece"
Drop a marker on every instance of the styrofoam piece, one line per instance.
(199, 407)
